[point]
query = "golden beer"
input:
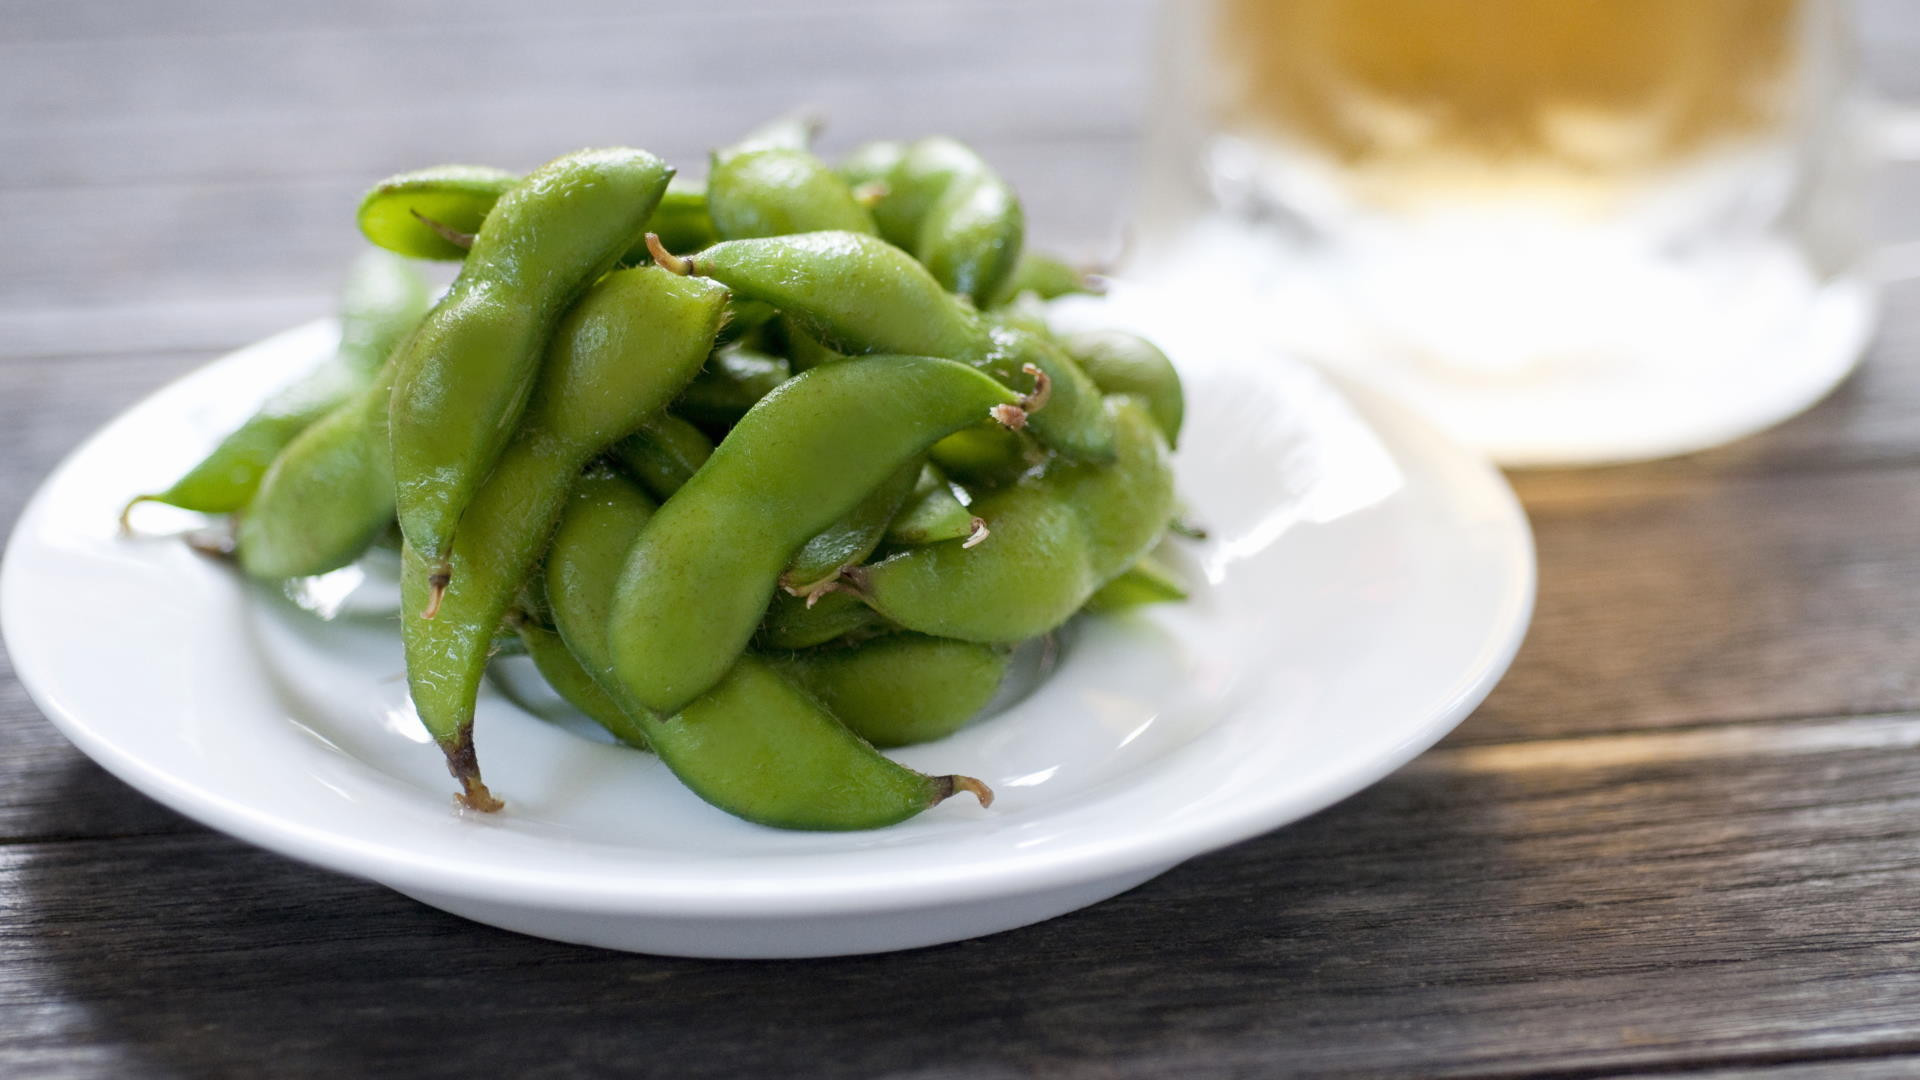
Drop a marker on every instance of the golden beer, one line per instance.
(1410, 96)
(1569, 230)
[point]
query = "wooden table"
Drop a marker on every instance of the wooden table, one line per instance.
(1675, 840)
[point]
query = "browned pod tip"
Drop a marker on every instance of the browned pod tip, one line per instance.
(437, 583)
(1011, 417)
(126, 513)
(1042, 389)
(950, 785)
(464, 764)
(665, 259)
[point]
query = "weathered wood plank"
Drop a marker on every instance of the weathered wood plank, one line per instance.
(74, 252)
(43, 21)
(673, 55)
(1728, 895)
(1729, 597)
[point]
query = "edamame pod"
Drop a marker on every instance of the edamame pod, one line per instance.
(859, 294)
(794, 622)
(732, 379)
(1045, 277)
(664, 454)
(425, 213)
(793, 131)
(987, 455)
(563, 672)
(754, 746)
(853, 292)
(872, 162)
(700, 575)
(384, 298)
(618, 356)
(947, 206)
(932, 513)
(435, 213)
(803, 352)
(851, 539)
(1067, 414)
(1123, 363)
(326, 497)
(681, 220)
(464, 377)
(1145, 582)
(901, 689)
(1056, 538)
(775, 192)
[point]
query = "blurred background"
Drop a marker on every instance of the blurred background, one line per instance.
(179, 178)
(183, 175)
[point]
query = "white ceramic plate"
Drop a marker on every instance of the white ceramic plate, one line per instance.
(1365, 585)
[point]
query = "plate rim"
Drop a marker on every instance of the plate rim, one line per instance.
(749, 896)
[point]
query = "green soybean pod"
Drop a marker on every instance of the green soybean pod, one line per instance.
(681, 220)
(413, 213)
(775, 192)
(794, 622)
(732, 379)
(664, 454)
(1123, 363)
(384, 298)
(434, 213)
(858, 294)
(947, 206)
(1055, 539)
(986, 455)
(791, 131)
(326, 498)
(1145, 582)
(1044, 276)
(853, 292)
(755, 746)
(933, 512)
(803, 351)
(901, 689)
(618, 356)
(702, 571)
(464, 378)
(872, 162)
(851, 539)
(562, 670)
(1067, 415)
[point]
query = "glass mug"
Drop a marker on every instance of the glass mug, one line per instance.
(1572, 231)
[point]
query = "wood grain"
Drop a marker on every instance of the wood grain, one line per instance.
(1563, 906)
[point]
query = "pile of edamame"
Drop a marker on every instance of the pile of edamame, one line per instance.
(763, 472)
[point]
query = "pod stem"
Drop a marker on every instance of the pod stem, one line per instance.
(977, 533)
(126, 512)
(446, 232)
(1042, 389)
(464, 764)
(950, 785)
(667, 260)
(812, 591)
(437, 583)
(870, 193)
(1011, 417)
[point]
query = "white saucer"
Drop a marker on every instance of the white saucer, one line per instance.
(1365, 585)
